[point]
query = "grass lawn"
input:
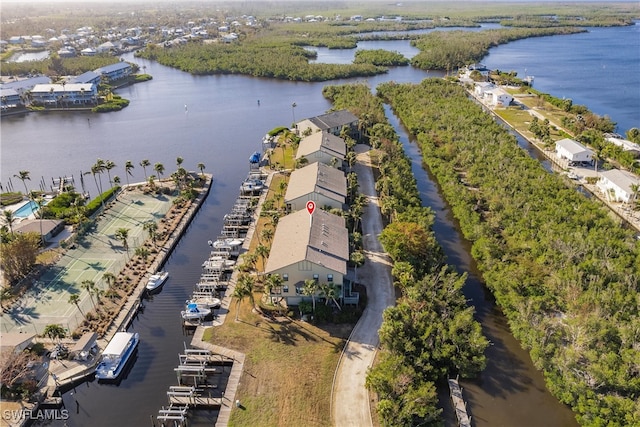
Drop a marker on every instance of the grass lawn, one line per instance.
(288, 370)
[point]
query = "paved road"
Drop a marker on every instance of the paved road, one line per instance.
(350, 400)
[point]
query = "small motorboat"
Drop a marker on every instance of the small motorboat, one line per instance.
(195, 312)
(157, 280)
(204, 299)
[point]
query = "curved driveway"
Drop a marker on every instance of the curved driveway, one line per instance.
(350, 398)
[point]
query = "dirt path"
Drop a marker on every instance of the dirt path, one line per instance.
(350, 398)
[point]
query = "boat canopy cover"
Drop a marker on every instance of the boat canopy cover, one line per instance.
(118, 343)
(192, 307)
(255, 158)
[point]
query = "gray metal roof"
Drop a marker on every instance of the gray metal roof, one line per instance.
(317, 178)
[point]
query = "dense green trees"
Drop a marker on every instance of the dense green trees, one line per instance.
(260, 58)
(431, 333)
(450, 50)
(380, 57)
(564, 273)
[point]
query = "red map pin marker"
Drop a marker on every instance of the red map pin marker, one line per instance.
(311, 206)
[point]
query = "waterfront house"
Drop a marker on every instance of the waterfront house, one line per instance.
(573, 151)
(116, 71)
(10, 99)
(325, 185)
(307, 247)
(322, 147)
(22, 86)
(480, 88)
(618, 185)
(625, 144)
(65, 95)
(498, 97)
(88, 77)
(332, 122)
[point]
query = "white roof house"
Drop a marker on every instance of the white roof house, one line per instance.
(498, 97)
(573, 151)
(322, 147)
(325, 185)
(618, 185)
(308, 247)
(625, 144)
(481, 87)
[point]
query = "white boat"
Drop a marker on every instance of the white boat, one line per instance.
(251, 185)
(204, 299)
(116, 355)
(157, 280)
(194, 312)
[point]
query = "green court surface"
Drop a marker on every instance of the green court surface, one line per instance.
(97, 253)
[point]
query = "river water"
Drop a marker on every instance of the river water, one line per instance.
(217, 120)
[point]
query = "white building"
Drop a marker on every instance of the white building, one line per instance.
(625, 144)
(618, 186)
(498, 97)
(573, 151)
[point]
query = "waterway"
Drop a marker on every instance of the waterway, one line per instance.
(217, 120)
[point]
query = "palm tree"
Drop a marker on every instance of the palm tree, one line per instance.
(122, 234)
(116, 180)
(201, 166)
(179, 161)
(5, 294)
(330, 292)
(151, 227)
(263, 252)
(97, 169)
(9, 219)
(244, 288)
(267, 234)
(159, 168)
(127, 170)
(75, 299)
(89, 286)
(143, 253)
(357, 258)
(54, 331)
(24, 176)
(144, 163)
(108, 165)
(110, 279)
(273, 282)
(309, 289)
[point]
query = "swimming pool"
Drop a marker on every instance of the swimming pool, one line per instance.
(26, 210)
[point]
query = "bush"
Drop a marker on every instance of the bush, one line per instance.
(7, 199)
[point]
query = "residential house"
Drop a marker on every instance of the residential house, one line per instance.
(573, 151)
(66, 94)
(49, 227)
(322, 147)
(308, 247)
(116, 71)
(325, 185)
(11, 99)
(498, 97)
(481, 88)
(88, 77)
(23, 86)
(332, 122)
(618, 185)
(625, 144)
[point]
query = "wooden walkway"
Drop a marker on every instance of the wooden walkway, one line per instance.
(464, 420)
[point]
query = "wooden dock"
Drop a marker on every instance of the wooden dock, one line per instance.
(460, 406)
